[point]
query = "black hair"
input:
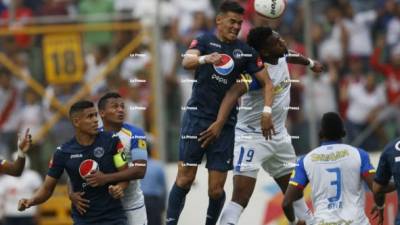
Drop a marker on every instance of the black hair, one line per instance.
(258, 36)
(103, 100)
(332, 128)
(231, 6)
(79, 106)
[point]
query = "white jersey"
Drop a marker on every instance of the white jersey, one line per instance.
(252, 103)
(134, 142)
(334, 171)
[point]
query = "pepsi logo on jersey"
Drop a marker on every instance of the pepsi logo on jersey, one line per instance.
(88, 166)
(225, 66)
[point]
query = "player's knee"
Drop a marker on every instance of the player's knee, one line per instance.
(241, 196)
(185, 181)
(215, 192)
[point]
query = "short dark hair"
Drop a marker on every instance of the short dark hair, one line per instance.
(103, 100)
(79, 106)
(258, 36)
(231, 6)
(332, 128)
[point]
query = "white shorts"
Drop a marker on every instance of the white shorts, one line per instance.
(137, 216)
(252, 151)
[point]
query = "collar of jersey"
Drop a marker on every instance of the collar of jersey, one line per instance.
(330, 142)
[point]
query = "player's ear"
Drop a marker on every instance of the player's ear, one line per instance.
(101, 113)
(75, 120)
(219, 18)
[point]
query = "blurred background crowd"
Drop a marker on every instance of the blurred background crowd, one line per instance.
(358, 41)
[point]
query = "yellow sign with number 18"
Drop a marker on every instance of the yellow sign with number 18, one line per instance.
(63, 61)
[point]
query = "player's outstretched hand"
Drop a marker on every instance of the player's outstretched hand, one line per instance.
(25, 142)
(377, 213)
(24, 204)
(96, 179)
(209, 135)
(213, 58)
(267, 127)
(116, 191)
(318, 67)
(81, 204)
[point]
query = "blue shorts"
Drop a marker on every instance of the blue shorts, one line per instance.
(219, 153)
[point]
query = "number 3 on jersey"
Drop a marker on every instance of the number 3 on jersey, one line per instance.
(333, 201)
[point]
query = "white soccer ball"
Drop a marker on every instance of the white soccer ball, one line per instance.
(271, 9)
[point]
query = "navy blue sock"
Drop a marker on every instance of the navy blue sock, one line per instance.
(214, 209)
(176, 201)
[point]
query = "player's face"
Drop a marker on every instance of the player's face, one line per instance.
(229, 24)
(87, 121)
(277, 46)
(114, 111)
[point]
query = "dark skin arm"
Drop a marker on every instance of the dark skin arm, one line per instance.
(299, 59)
(41, 195)
(230, 100)
(292, 194)
(379, 198)
(137, 171)
(15, 168)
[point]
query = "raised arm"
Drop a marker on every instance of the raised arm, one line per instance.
(296, 58)
(15, 168)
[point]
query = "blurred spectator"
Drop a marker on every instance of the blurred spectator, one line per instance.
(95, 64)
(22, 16)
(319, 93)
(99, 9)
(334, 44)
(393, 29)
(134, 63)
(134, 108)
(9, 106)
(390, 70)
(366, 99)
(186, 8)
(358, 27)
(14, 188)
(154, 188)
(55, 8)
(354, 76)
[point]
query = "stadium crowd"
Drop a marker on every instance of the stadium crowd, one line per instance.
(357, 40)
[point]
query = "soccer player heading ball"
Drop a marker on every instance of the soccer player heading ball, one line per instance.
(218, 61)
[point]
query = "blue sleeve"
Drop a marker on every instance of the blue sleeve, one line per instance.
(255, 63)
(366, 166)
(299, 176)
(383, 172)
(255, 84)
(138, 145)
(56, 165)
(199, 44)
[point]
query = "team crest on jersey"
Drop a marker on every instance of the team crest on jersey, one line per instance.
(225, 66)
(88, 166)
(98, 152)
(237, 54)
(142, 143)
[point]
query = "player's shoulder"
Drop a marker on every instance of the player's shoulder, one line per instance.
(392, 146)
(132, 130)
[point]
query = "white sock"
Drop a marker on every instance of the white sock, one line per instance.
(231, 213)
(301, 210)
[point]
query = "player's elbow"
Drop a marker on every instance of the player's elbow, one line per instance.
(187, 65)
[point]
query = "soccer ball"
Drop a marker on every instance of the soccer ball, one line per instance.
(271, 9)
